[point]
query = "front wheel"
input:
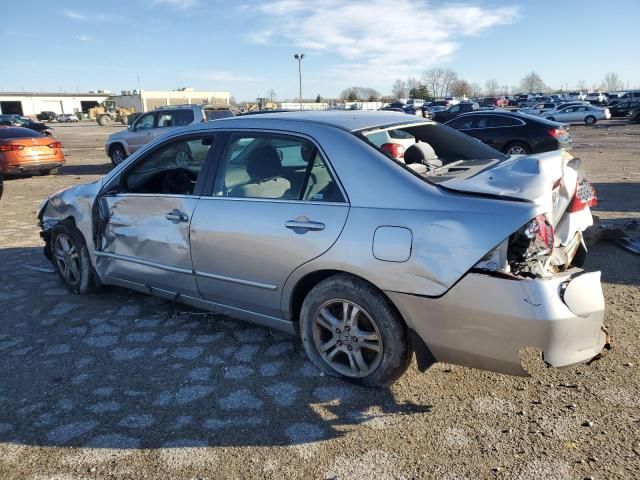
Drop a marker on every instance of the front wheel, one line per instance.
(350, 330)
(117, 155)
(70, 258)
(590, 120)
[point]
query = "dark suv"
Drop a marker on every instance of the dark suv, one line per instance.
(454, 111)
(46, 116)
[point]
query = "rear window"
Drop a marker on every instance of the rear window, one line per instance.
(18, 133)
(448, 144)
(215, 114)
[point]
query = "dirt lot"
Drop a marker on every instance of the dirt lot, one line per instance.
(119, 385)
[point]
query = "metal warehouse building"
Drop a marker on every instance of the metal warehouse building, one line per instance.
(32, 103)
(144, 100)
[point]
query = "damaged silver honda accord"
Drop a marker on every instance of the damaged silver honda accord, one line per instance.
(371, 235)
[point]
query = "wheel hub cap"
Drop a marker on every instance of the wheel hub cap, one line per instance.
(347, 338)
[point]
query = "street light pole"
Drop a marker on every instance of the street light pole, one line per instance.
(299, 57)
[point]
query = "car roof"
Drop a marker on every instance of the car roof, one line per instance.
(348, 120)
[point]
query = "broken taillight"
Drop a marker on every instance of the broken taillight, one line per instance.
(584, 197)
(540, 231)
(394, 149)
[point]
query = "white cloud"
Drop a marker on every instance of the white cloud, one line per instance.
(86, 17)
(377, 39)
(179, 4)
(85, 38)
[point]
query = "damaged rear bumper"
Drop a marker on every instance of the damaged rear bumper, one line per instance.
(484, 321)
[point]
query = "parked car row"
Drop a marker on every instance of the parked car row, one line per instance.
(20, 121)
(48, 116)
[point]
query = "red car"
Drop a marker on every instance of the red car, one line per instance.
(26, 151)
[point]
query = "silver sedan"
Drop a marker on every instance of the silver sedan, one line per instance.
(370, 235)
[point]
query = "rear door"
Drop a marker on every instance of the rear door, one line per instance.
(275, 205)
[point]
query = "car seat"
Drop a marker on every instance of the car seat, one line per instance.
(264, 168)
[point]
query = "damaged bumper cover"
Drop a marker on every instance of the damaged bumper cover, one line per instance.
(485, 320)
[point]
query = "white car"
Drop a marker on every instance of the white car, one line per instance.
(597, 98)
(539, 108)
(587, 114)
(66, 118)
(571, 96)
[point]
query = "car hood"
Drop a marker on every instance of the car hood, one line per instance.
(118, 135)
(529, 178)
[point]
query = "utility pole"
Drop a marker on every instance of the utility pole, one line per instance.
(299, 57)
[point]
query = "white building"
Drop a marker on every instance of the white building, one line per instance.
(145, 100)
(32, 103)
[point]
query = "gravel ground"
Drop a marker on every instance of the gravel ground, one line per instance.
(120, 385)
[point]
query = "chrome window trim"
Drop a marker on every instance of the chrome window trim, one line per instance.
(276, 200)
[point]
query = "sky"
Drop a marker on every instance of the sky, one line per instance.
(247, 48)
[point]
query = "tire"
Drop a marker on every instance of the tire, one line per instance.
(53, 171)
(104, 120)
(590, 120)
(117, 154)
(70, 258)
(517, 148)
(387, 353)
(123, 120)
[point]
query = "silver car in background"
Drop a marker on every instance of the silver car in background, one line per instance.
(586, 114)
(307, 223)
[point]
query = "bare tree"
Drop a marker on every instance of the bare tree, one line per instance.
(612, 82)
(476, 90)
(491, 87)
(461, 88)
(432, 79)
(271, 94)
(360, 93)
(449, 77)
(399, 89)
(581, 85)
(412, 83)
(532, 83)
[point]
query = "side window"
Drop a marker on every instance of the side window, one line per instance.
(274, 167)
(184, 117)
(502, 121)
(461, 123)
(171, 169)
(145, 122)
(455, 109)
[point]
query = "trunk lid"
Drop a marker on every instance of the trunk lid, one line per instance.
(546, 179)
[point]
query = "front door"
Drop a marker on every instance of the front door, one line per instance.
(144, 220)
(275, 205)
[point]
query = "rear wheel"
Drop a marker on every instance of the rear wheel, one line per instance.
(351, 331)
(517, 148)
(70, 258)
(590, 120)
(117, 154)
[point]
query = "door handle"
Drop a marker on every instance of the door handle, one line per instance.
(299, 226)
(176, 216)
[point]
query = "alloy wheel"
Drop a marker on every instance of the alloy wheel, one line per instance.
(67, 258)
(117, 156)
(347, 338)
(516, 150)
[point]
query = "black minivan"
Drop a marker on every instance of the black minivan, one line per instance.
(513, 133)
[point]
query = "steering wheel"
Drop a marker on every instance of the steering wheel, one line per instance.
(179, 181)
